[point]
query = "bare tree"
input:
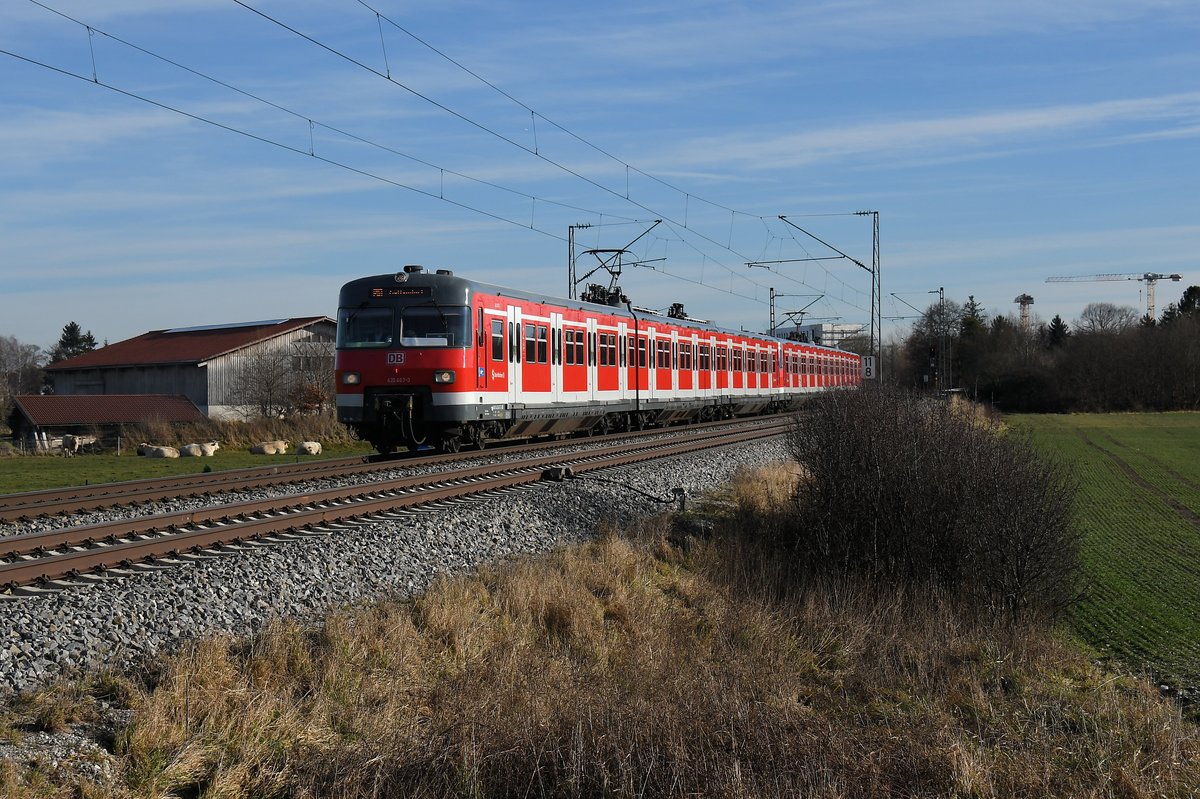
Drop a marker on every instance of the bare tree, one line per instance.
(264, 385)
(279, 382)
(1104, 317)
(20, 370)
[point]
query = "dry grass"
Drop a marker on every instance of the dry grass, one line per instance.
(235, 434)
(647, 666)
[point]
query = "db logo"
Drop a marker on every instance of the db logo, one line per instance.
(395, 357)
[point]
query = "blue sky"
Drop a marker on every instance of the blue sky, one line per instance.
(1001, 143)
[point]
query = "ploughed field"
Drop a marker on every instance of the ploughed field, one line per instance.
(1139, 509)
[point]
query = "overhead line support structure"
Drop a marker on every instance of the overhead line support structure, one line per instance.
(876, 325)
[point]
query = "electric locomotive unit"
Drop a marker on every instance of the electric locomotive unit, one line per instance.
(431, 358)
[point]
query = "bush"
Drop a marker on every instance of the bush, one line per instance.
(905, 489)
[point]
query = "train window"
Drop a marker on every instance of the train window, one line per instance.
(685, 357)
(641, 346)
(542, 337)
(662, 354)
(497, 340)
(364, 327)
(530, 344)
(705, 357)
(573, 346)
(722, 359)
(435, 326)
(737, 359)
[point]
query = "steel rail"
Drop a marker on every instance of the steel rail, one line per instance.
(306, 511)
(75, 499)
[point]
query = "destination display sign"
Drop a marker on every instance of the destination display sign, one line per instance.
(402, 291)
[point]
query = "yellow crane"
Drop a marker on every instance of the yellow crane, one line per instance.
(1149, 278)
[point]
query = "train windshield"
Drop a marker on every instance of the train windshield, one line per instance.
(364, 327)
(435, 326)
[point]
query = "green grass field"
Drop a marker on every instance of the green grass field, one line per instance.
(1139, 508)
(32, 473)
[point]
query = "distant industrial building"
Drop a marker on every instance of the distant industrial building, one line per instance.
(825, 333)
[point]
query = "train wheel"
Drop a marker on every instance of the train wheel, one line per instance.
(476, 437)
(451, 443)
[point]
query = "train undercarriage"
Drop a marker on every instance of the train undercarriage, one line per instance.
(403, 421)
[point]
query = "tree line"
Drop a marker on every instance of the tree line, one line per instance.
(1110, 359)
(22, 365)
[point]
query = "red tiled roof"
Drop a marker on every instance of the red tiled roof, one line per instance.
(97, 409)
(185, 345)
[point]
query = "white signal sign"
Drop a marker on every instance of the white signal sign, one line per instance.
(868, 366)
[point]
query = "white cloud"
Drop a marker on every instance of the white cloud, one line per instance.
(969, 131)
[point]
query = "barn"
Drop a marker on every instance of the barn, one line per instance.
(39, 421)
(230, 371)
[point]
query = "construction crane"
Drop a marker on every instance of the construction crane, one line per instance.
(1150, 278)
(1024, 300)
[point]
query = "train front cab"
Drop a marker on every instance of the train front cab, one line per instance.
(406, 348)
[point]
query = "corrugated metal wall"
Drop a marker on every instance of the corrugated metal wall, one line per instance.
(186, 380)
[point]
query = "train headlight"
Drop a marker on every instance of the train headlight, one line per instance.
(351, 378)
(443, 376)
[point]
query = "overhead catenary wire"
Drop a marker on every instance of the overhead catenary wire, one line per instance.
(534, 114)
(682, 229)
(280, 145)
(298, 115)
(507, 139)
(311, 123)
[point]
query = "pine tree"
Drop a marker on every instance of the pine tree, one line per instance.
(72, 342)
(1057, 332)
(974, 317)
(1189, 303)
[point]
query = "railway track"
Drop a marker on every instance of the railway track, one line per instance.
(79, 499)
(48, 558)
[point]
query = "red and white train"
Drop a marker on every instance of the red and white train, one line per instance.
(433, 358)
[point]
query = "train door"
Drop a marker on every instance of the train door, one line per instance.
(593, 357)
(651, 359)
(514, 354)
(674, 364)
(556, 357)
(483, 344)
(622, 355)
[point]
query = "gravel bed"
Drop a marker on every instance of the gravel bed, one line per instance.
(403, 469)
(116, 622)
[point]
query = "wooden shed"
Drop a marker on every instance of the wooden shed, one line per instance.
(39, 421)
(215, 366)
